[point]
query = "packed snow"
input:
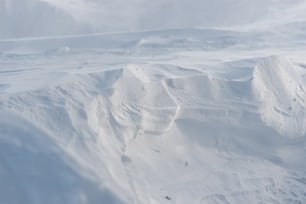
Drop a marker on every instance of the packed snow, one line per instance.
(149, 102)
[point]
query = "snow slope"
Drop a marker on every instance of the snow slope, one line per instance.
(151, 126)
(162, 116)
(279, 85)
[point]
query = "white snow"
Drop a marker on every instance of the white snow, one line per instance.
(191, 107)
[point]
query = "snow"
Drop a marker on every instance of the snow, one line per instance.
(280, 87)
(208, 107)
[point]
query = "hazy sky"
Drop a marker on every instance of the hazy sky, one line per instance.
(137, 14)
(41, 17)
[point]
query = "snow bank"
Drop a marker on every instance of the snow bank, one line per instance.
(143, 132)
(279, 86)
(35, 170)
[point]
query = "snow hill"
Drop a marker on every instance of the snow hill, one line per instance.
(193, 115)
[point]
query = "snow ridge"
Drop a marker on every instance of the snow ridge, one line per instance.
(118, 126)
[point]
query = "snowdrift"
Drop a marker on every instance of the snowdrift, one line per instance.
(149, 102)
(35, 170)
(141, 133)
(279, 86)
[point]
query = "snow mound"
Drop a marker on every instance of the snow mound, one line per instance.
(185, 128)
(279, 86)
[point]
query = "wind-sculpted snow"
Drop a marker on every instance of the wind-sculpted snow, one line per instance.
(35, 170)
(157, 133)
(177, 101)
(280, 87)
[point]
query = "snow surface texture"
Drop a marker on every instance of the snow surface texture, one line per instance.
(186, 115)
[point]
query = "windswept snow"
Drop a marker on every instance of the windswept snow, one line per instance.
(279, 86)
(194, 115)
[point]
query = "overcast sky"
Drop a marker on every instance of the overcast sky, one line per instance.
(41, 17)
(133, 14)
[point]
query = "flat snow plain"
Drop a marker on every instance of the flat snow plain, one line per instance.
(165, 116)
